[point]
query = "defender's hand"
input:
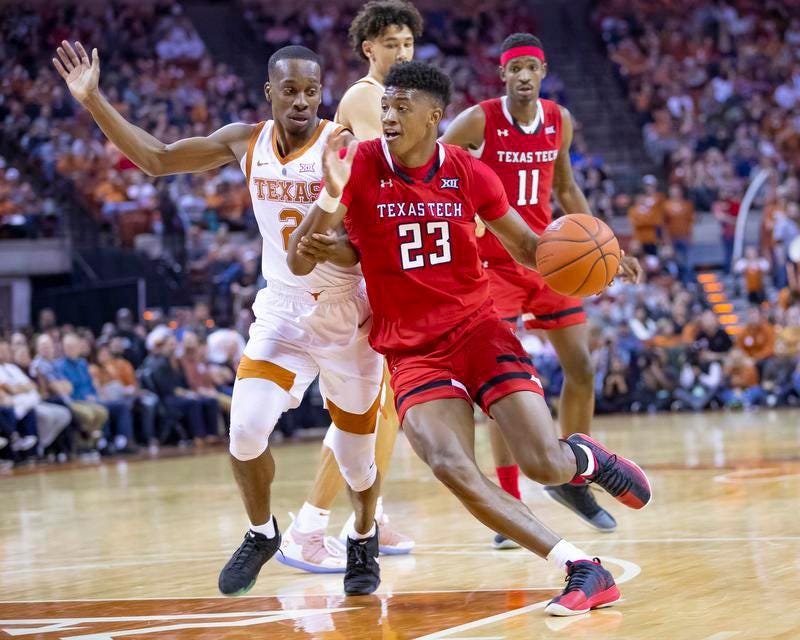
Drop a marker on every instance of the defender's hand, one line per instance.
(337, 165)
(81, 75)
(322, 247)
(630, 269)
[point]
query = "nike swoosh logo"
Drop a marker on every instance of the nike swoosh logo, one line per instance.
(261, 164)
(365, 321)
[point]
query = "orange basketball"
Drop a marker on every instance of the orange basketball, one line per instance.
(578, 255)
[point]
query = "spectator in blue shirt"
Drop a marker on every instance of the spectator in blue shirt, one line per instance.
(75, 369)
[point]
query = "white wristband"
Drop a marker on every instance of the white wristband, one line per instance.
(327, 202)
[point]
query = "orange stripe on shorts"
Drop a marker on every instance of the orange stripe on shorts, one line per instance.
(266, 371)
(359, 423)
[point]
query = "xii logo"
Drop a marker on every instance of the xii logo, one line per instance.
(449, 183)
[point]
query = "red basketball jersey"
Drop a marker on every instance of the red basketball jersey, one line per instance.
(415, 232)
(525, 161)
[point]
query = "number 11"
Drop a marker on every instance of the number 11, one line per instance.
(523, 179)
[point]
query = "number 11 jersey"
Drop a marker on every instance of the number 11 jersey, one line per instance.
(282, 190)
(415, 232)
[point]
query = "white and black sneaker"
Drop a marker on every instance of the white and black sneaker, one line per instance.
(239, 575)
(580, 500)
(363, 573)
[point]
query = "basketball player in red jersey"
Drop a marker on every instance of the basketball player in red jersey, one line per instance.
(525, 139)
(409, 204)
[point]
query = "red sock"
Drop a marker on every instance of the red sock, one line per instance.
(509, 479)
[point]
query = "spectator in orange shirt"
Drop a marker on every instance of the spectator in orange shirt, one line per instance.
(753, 267)
(757, 339)
(646, 219)
(678, 223)
(741, 380)
(197, 371)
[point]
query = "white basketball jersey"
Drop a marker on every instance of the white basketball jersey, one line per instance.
(282, 191)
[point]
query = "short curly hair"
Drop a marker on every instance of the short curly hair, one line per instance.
(421, 76)
(375, 16)
(520, 40)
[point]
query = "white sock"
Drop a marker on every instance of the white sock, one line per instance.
(564, 551)
(379, 508)
(590, 458)
(311, 518)
(267, 529)
(355, 535)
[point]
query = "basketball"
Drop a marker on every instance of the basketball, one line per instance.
(578, 255)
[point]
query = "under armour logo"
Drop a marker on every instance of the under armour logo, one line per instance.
(502, 132)
(386, 183)
(449, 183)
(550, 129)
(307, 167)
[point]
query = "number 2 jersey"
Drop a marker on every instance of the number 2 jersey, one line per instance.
(415, 232)
(282, 190)
(524, 158)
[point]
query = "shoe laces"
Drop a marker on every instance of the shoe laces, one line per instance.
(584, 499)
(359, 556)
(611, 477)
(578, 574)
(245, 551)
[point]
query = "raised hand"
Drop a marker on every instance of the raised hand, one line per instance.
(81, 74)
(630, 269)
(337, 165)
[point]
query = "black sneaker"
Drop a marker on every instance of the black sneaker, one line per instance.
(501, 542)
(363, 574)
(239, 575)
(580, 500)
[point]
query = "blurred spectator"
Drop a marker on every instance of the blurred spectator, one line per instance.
(76, 369)
(198, 373)
(134, 350)
(646, 219)
(726, 211)
(753, 269)
(742, 381)
(199, 414)
(757, 338)
(678, 222)
(51, 419)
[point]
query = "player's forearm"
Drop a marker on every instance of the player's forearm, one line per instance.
(572, 200)
(525, 251)
(317, 221)
(138, 145)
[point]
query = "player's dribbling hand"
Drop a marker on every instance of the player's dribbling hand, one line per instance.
(81, 74)
(337, 164)
(630, 269)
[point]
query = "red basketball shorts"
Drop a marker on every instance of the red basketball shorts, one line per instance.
(518, 291)
(480, 361)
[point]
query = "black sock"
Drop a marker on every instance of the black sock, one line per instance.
(581, 459)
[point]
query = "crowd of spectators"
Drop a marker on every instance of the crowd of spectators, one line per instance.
(23, 213)
(716, 86)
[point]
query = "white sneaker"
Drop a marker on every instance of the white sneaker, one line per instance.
(313, 552)
(3, 442)
(24, 443)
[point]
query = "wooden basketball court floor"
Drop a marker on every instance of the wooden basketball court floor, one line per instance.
(132, 549)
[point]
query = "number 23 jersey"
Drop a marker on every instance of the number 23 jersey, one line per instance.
(282, 190)
(415, 232)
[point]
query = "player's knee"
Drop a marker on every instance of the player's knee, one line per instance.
(454, 470)
(251, 427)
(355, 455)
(580, 369)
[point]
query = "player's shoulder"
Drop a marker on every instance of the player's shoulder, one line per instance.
(553, 108)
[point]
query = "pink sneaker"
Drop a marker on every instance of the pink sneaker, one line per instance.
(390, 541)
(313, 552)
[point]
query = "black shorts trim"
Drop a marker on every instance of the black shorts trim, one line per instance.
(503, 377)
(559, 314)
(513, 358)
(424, 387)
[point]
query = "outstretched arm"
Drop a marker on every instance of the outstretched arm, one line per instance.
(327, 213)
(151, 155)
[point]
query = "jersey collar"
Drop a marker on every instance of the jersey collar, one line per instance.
(527, 129)
(402, 174)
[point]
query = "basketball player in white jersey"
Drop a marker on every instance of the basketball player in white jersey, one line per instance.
(382, 33)
(304, 325)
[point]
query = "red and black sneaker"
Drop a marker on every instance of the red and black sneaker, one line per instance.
(589, 586)
(620, 477)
